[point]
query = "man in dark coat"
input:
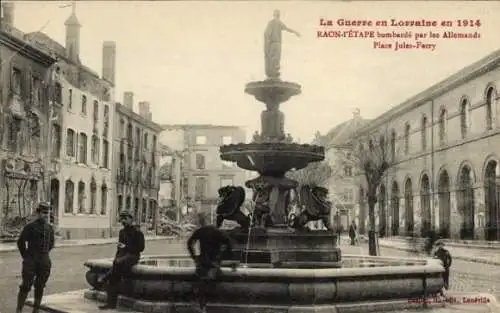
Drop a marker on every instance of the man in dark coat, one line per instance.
(213, 243)
(35, 243)
(128, 253)
(352, 233)
(444, 255)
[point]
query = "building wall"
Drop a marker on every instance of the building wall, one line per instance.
(23, 125)
(447, 156)
(91, 221)
(136, 173)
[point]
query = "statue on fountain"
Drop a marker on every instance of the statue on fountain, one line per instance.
(261, 216)
(313, 200)
(272, 45)
(231, 198)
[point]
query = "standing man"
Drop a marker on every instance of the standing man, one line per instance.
(352, 233)
(34, 244)
(208, 263)
(128, 253)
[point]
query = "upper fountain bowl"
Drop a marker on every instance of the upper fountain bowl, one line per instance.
(272, 90)
(272, 158)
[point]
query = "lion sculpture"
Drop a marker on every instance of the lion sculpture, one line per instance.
(231, 198)
(313, 201)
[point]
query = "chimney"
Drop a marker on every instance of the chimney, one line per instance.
(144, 109)
(128, 100)
(108, 61)
(73, 36)
(8, 13)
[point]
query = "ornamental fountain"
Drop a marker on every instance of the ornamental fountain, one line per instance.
(285, 268)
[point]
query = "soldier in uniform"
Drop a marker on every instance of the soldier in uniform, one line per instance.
(130, 246)
(212, 240)
(35, 243)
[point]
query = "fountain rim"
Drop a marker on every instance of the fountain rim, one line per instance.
(431, 266)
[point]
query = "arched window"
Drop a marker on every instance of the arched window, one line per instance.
(490, 97)
(56, 141)
(82, 148)
(463, 118)
(442, 126)
(81, 197)
(407, 138)
(424, 132)
(393, 144)
(69, 196)
(93, 196)
(70, 142)
(104, 198)
(94, 153)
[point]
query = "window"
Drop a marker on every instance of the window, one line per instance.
(463, 118)
(104, 199)
(69, 196)
(58, 93)
(81, 197)
(200, 161)
(95, 150)
(348, 171)
(226, 181)
(200, 188)
(96, 111)
(84, 104)
(119, 204)
(82, 149)
(122, 128)
(17, 81)
(35, 91)
(56, 141)
(393, 144)
(105, 153)
(129, 132)
(93, 197)
(227, 164)
(14, 128)
(105, 130)
(442, 126)
(348, 195)
(201, 140)
(70, 98)
(154, 142)
(70, 143)
(227, 140)
(424, 132)
(490, 97)
(407, 138)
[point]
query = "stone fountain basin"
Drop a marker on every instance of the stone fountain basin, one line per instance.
(169, 279)
(272, 157)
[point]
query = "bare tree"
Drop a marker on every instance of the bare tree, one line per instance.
(372, 155)
(316, 174)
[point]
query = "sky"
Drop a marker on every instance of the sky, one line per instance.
(191, 59)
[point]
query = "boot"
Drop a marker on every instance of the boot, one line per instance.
(21, 299)
(38, 299)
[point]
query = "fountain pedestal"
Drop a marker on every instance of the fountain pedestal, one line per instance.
(285, 247)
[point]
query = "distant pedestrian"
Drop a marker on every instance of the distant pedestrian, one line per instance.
(35, 243)
(353, 233)
(130, 245)
(213, 243)
(444, 255)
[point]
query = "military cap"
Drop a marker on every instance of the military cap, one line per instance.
(124, 214)
(439, 243)
(43, 207)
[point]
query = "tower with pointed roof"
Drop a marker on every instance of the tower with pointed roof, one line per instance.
(73, 35)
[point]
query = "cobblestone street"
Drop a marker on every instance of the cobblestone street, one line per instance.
(69, 272)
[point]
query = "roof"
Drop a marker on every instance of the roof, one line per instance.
(72, 20)
(341, 133)
(488, 63)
